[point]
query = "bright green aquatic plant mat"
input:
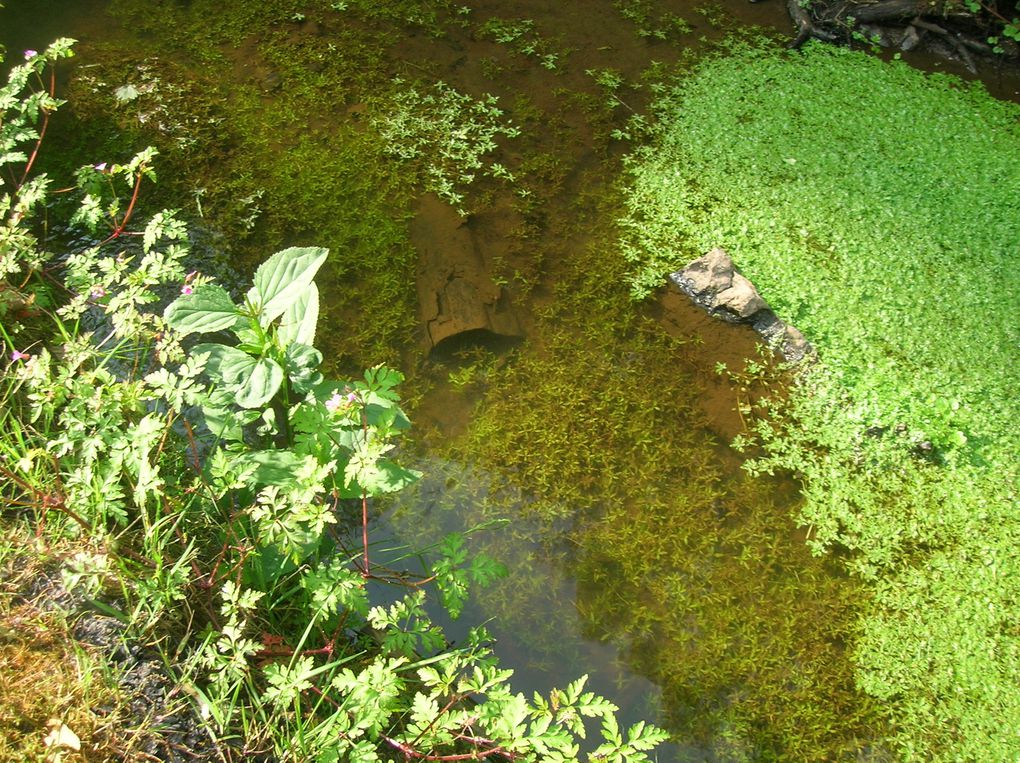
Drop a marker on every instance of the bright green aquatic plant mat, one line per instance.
(878, 209)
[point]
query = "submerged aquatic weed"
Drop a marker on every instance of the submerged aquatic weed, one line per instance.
(593, 444)
(652, 23)
(521, 36)
(449, 133)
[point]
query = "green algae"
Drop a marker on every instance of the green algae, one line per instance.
(875, 207)
(265, 156)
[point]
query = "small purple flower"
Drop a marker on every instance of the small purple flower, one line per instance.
(17, 355)
(187, 289)
(98, 292)
(101, 167)
(30, 54)
(338, 402)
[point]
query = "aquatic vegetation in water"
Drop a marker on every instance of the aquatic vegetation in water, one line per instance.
(590, 421)
(521, 36)
(263, 167)
(596, 453)
(650, 22)
(447, 132)
(803, 166)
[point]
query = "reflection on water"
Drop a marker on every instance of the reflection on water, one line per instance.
(534, 613)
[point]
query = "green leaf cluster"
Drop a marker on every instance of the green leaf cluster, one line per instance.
(229, 467)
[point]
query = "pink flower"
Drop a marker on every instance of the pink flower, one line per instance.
(97, 292)
(16, 355)
(338, 402)
(187, 289)
(30, 54)
(101, 167)
(335, 403)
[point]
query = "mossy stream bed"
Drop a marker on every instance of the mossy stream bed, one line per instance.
(591, 444)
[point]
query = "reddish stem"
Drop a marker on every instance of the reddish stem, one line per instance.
(364, 504)
(42, 131)
(364, 532)
(128, 212)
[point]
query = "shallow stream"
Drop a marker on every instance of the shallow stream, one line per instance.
(589, 436)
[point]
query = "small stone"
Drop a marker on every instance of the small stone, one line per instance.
(910, 40)
(795, 345)
(712, 272)
(712, 282)
(741, 298)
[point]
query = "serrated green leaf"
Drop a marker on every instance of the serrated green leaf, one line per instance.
(643, 736)
(207, 309)
(272, 467)
(226, 365)
(283, 278)
(302, 365)
(223, 423)
(594, 706)
(300, 318)
(389, 477)
(611, 730)
(382, 380)
(258, 387)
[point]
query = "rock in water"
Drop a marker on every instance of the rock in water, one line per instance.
(712, 281)
(456, 292)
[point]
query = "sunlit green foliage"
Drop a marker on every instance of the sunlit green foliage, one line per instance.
(876, 209)
(447, 133)
(651, 22)
(521, 36)
(260, 175)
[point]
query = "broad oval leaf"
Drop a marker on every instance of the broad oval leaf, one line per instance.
(300, 318)
(283, 278)
(225, 364)
(208, 308)
(259, 386)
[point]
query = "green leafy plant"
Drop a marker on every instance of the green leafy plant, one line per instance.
(899, 433)
(521, 36)
(650, 22)
(26, 102)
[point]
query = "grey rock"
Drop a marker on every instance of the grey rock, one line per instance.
(712, 272)
(911, 39)
(713, 282)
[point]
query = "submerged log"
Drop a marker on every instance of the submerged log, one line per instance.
(457, 294)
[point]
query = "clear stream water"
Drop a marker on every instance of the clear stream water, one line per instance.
(594, 447)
